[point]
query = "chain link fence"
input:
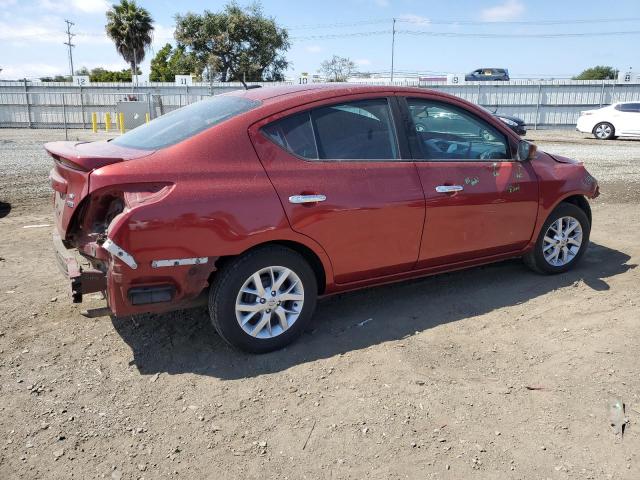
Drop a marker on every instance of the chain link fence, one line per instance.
(119, 107)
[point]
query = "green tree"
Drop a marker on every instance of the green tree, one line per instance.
(56, 78)
(100, 74)
(160, 71)
(236, 43)
(600, 72)
(131, 28)
(170, 62)
(337, 69)
(183, 63)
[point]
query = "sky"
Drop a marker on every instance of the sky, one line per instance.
(434, 37)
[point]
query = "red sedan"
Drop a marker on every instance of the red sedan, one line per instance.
(262, 200)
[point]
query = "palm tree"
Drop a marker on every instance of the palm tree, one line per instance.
(131, 28)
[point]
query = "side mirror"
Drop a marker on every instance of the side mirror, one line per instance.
(526, 151)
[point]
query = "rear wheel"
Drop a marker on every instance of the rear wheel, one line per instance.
(563, 239)
(604, 131)
(263, 300)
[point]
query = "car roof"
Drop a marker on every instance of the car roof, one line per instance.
(319, 91)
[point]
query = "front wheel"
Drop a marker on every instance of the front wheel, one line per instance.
(562, 241)
(262, 301)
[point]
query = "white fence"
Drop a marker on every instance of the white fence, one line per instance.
(541, 104)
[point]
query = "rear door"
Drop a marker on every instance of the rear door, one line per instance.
(345, 180)
(479, 202)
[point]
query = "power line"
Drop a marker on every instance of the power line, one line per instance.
(427, 21)
(463, 35)
(69, 44)
(518, 35)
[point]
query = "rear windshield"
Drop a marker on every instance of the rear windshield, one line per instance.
(185, 122)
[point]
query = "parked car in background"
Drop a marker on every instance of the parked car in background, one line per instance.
(516, 124)
(263, 200)
(488, 75)
(621, 119)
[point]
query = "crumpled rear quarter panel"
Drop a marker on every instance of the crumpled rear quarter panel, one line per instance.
(222, 203)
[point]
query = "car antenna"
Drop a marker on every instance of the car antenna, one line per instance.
(251, 87)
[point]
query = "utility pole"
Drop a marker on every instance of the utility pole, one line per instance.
(69, 44)
(393, 46)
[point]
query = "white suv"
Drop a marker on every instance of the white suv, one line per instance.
(618, 120)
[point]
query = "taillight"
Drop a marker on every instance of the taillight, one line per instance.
(145, 193)
(102, 207)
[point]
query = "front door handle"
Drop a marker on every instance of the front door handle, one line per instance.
(449, 188)
(306, 198)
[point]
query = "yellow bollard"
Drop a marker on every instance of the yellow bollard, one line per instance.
(94, 122)
(121, 118)
(107, 122)
(147, 117)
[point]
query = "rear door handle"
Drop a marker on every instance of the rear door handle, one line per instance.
(449, 188)
(306, 198)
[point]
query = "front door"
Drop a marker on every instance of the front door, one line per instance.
(627, 119)
(341, 178)
(479, 202)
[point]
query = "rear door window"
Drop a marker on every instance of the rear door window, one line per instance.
(358, 130)
(361, 130)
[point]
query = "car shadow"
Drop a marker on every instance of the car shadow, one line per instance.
(5, 209)
(185, 342)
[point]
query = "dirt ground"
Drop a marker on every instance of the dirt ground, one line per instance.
(489, 373)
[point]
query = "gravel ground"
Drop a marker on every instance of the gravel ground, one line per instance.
(489, 373)
(24, 165)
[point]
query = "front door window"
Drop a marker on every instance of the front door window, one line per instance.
(447, 133)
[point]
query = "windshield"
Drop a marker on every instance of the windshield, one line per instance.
(185, 122)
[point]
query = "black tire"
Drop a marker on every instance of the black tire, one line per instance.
(607, 134)
(535, 258)
(230, 279)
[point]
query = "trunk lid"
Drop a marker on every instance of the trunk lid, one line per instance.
(70, 175)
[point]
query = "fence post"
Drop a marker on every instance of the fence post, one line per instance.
(149, 103)
(602, 93)
(82, 107)
(613, 91)
(26, 98)
(64, 117)
(535, 125)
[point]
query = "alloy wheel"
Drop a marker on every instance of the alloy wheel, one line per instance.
(603, 131)
(562, 241)
(269, 302)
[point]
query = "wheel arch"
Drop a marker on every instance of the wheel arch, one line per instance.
(314, 260)
(579, 201)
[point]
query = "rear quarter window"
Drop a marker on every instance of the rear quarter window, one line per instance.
(185, 122)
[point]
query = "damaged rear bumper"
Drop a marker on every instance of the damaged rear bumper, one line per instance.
(82, 280)
(133, 286)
